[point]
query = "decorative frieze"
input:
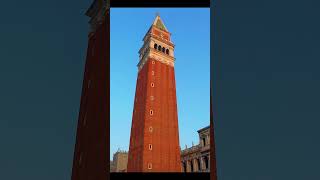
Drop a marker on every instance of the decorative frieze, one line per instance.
(153, 54)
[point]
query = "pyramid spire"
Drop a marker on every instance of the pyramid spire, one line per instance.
(159, 23)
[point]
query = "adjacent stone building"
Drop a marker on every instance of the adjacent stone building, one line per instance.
(193, 159)
(120, 161)
(112, 167)
(197, 158)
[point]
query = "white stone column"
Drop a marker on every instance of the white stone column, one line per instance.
(192, 165)
(198, 164)
(182, 168)
(188, 166)
(202, 163)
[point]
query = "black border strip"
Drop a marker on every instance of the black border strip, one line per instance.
(150, 176)
(159, 3)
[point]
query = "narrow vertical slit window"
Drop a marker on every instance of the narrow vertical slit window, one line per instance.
(80, 158)
(149, 166)
(85, 119)
(150, 129)
(92, 51)
(152, 84)
(89, 83)
(150, 146)
(191, 165)
(151, 112)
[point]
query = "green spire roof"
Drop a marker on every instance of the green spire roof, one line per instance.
(159, 24)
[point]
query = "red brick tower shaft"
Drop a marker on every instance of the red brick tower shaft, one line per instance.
(154, 141)
(91, 155)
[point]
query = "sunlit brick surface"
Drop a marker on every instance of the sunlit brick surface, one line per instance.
(165, 153)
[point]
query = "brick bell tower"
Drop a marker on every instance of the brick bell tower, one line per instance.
(91, 155)
(154, 141)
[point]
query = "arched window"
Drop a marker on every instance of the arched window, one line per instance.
(155, 46)
(206, 162)
(89, 83)
(85, 119)
(167, 51)
(159, 48)
(199, 165)
(184, 167)
(80, 159)
(191, 165)
(163, 49)
(204, 141)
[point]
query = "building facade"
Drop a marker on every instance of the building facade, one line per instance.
(90, 159)
(197, 158)
(154, 140)
(119, 162)
(193, 159)
(112, 167)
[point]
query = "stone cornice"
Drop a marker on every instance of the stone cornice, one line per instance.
(207, 128)
(161, 40)
(97, 13)
(155, 55)
(144, 45)
(96, 6)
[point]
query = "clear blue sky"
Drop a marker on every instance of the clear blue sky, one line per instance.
(190, 28)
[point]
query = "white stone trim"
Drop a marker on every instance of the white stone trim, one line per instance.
(158, 56)
(147, 51)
